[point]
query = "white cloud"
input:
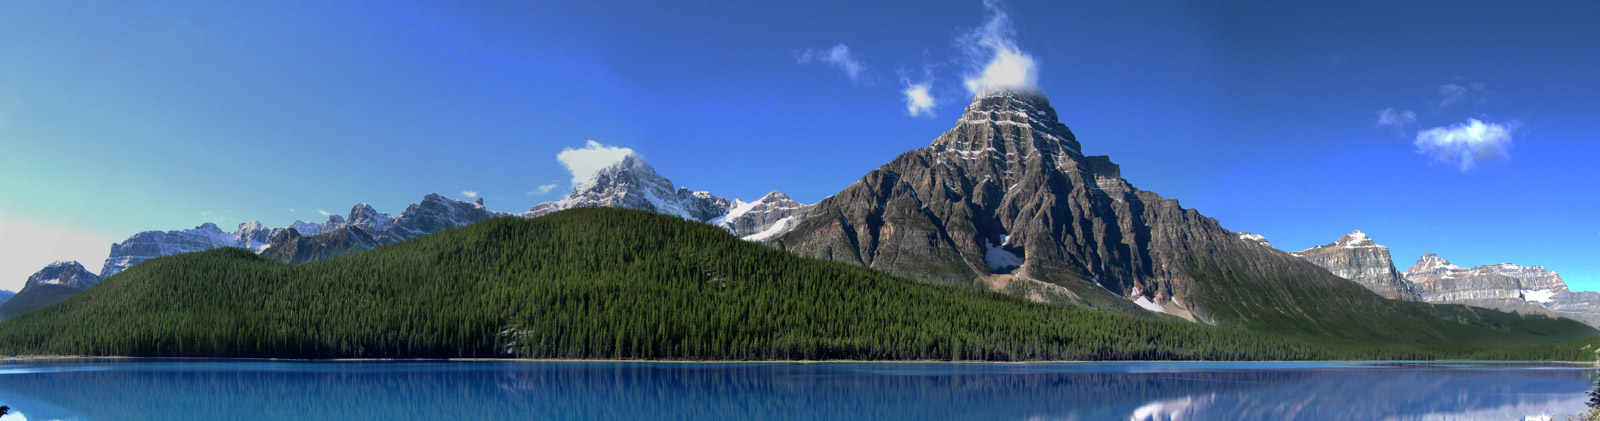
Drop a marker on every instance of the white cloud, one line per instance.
(27, 246)
(1396, 119)
(469, 193)
(918, 102)
(543, 189)
(592, 158)
(324, 213)
(291, 210)
(1468, 143)
(995, 60)
(838, 56)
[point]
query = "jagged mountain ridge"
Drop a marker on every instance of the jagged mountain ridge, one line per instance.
(152, 244)
(1007, 200)
(50, 285)
(1432, 279)
(633, 184)
(1504, 286)
(365, 228)
(1356, 257)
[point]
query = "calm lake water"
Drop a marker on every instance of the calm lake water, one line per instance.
(275, 390)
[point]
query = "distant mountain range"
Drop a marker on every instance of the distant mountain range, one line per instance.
(630, 183)
(1432, 279)
(1006, 201)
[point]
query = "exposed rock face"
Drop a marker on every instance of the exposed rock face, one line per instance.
(763, 219)
(1505, 286)
(1439, 281)
(1258, 238)
(152, 244)
(50, 285)
(1007, 200)
(1356, 257)
(366, 228)
(632, 183)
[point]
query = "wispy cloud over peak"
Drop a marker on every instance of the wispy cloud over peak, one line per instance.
(469, 193)
(839, 56)
(1467, 144)
(589, 159)
(995, 62)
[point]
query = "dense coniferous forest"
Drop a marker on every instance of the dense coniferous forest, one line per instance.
(615, 283)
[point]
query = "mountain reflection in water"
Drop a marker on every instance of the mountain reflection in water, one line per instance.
(190, 389)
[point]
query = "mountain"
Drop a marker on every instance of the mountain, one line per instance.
(50, 285)
(1505, 286)
(1006, 200)
(365, 228)
(763, 219)
(1356, 257)
(631, 183)
(6, 294)
(617, 283)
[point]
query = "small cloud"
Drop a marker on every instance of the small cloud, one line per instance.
(1467, 144)
(995, 62)
(205, 214)
(592, 158)
(1396, 119)
(838, 56)
(1460, 93)
(324, 213)
(291, 210)
(1450, 94)
(469, 193)
(543, 189)
(918, 101)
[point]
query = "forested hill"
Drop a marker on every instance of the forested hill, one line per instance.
(613, 283)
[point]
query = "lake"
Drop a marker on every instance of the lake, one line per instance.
(276, 390)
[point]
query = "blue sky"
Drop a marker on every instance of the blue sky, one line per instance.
(119, 117)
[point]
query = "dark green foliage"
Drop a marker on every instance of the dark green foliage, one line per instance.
(38, 296)
(612, 283)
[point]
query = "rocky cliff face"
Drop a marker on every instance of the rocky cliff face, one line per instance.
(1356, 257)
(1007, 200)
(50, 285)
(1505, 286)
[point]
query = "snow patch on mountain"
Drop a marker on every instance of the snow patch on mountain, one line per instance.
(998, 257)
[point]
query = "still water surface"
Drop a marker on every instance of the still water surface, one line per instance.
(277, 390)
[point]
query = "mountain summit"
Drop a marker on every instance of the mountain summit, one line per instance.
(1006, 200)
(1356, 257)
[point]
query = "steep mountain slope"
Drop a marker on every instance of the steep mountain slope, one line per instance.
(1006, 200)
(1356, 257)
(1505, 287)
(614, 283)
(48, 286)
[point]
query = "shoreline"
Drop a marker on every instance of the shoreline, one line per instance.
(34, 358)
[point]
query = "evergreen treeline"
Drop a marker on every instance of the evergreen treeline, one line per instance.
(613, 283)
